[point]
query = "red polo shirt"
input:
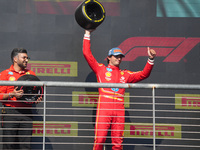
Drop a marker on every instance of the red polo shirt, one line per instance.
(11, 75)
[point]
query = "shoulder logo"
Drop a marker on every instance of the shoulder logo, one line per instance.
(27, 72)
(130, 72)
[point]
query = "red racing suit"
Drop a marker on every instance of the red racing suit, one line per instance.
(110, 109)
(11, 75)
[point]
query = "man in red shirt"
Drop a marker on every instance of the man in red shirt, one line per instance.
(110, 108)
(9, 95)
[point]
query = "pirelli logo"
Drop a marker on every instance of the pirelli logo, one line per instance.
(54, 68)
(187, 101)
(90, 99)
(55, 128)
(145, 130)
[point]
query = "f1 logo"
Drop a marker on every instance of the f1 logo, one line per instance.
(173, 48)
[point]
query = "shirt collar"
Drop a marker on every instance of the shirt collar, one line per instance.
(13, 70)
(113, 67)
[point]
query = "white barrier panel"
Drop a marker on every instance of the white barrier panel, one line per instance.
(157, 116)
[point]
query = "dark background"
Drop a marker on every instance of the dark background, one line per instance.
(56, 36)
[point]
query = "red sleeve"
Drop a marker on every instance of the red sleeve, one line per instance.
(88, 54)
(141, 75)
(3, 89)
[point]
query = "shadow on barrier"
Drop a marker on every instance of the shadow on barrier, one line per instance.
(34, 139)
(39, 139)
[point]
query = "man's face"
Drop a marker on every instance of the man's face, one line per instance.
(22, 60)
(115, 60)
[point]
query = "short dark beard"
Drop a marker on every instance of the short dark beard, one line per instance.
(21, 66)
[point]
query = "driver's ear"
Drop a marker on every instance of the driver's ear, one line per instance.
(15, 59)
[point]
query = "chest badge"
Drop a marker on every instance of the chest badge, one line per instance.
(11, 78)
(115, 89)
(122, 79)
(10, 73)
(108, 74)
(109, 69)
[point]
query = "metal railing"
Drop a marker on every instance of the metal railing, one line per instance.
(153, 87)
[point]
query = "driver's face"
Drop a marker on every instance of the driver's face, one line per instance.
(115, 60)
(22, 60)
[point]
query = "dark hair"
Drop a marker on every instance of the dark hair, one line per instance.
(108, 59)
(16, 51)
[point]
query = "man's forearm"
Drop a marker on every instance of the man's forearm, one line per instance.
(7, 96)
